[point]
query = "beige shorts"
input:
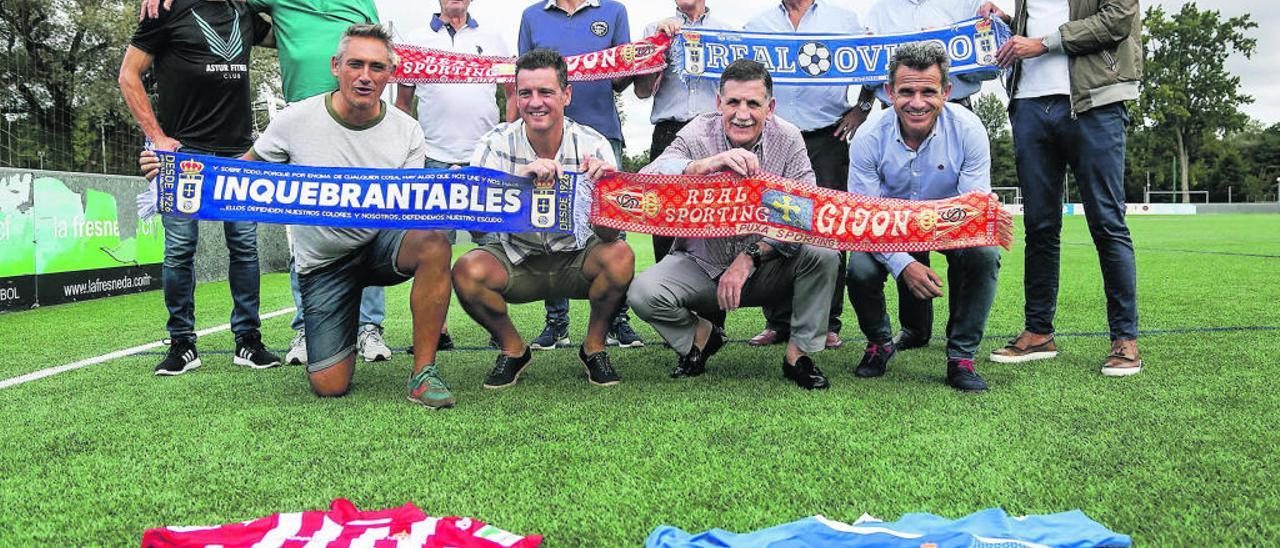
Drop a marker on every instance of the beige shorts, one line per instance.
(544, 276)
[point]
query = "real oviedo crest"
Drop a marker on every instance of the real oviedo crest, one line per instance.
(190, 179)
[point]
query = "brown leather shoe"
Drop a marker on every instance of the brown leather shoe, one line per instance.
(1124, 359)
(833, 340)
(1027, 346)
(767, 337)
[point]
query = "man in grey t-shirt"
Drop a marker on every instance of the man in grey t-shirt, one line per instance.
(352, 127)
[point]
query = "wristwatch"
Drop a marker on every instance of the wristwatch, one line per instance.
(865, 106)
(753, 251)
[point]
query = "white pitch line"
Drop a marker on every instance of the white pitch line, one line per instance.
(121, 353)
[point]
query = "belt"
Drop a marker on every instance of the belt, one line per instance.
(831, 129)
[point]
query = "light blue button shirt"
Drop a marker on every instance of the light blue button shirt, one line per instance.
(894, 16)
(810, 107)
(680, 98)
(953, 160)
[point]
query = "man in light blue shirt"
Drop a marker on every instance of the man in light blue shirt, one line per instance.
(826, 120)
(923, 149)
(896, 16)
(676, 99)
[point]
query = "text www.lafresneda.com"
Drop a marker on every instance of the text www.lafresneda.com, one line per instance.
(99, 285)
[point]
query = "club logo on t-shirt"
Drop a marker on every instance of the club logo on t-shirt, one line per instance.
(599, 28)
(227, 49)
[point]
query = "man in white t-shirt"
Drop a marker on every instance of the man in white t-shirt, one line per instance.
(353, 127)
(455, 116)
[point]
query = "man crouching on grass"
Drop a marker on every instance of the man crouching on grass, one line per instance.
(352, 127)
(591, 263)
(703, 276)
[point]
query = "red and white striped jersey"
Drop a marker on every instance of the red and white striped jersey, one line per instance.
(344, 525)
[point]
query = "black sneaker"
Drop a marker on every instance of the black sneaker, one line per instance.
(690, 365)
(445, 342)
(805, 373)
(507, 370)
(599, 371)
(904, 340)
(961, 376)
(493, 343)
(695, 362)
(552, 337)
(622, 335)
(875, 360)
(251, 353)
(182, 357)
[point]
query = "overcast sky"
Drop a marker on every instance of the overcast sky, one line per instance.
(1260, 75)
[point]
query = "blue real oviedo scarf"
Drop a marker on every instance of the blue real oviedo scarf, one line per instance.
(472, 198)
(836, 59)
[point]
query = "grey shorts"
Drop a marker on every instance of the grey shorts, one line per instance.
(331, 297)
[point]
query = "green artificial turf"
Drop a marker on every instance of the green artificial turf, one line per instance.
(1186, 453)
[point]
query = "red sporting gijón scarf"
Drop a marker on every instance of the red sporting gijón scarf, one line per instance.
(433, 66)
(730, 205)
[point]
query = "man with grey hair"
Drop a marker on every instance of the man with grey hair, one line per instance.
(353, 127)
(703, 276)
(925, 148)
(306, 34)
(915, 317)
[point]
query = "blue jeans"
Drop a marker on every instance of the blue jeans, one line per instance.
(373, 302)
(178, 274)
(558, 309)
(330, 297)
(1046, 140)
(972, 274)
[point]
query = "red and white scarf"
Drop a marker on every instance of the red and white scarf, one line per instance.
(432, 66)
(726, 204)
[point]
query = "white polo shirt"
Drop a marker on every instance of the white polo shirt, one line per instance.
(455, 116)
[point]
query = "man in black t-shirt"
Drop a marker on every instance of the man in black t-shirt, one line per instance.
(198, 53)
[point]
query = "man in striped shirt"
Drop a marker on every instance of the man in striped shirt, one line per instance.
(701, 275)
(591, 263)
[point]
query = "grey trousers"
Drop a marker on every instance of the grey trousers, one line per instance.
(674, 293)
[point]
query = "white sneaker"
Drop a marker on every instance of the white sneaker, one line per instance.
(297, 349)
(370, 345)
